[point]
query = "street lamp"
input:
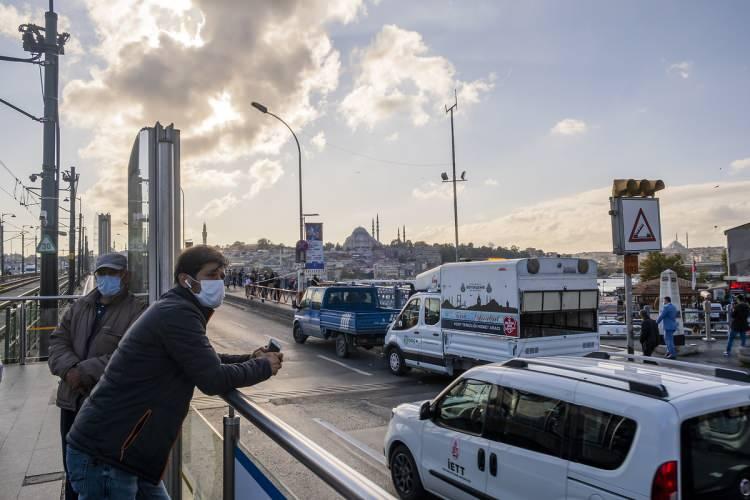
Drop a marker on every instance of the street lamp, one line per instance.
(263, 109)
(23, 248)
(2, 247)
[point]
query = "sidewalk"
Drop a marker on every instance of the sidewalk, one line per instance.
(30, 457)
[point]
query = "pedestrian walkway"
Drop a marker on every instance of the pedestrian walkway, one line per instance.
(30, 457)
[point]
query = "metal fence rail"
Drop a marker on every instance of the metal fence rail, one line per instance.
(339, 476)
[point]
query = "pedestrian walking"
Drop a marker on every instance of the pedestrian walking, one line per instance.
(88, 334)
(739, 324)
(121, 439)
(649, 333)
(668, 316)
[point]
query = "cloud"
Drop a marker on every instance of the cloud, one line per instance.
(396, 75)
(392, 138)
(490, 182)
(740, 165)
(681, 68)
(569, 127)
(263, 174)
(319, 141)
(209, 178)
(433, 190)
(581, 222)
(218, 206)
(199, 65)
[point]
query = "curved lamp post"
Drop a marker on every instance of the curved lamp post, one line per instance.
(263, 109)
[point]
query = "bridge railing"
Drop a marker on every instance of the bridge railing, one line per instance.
(266, 293)
(221, 464)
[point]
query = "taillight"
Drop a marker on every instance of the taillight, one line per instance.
(664, 486)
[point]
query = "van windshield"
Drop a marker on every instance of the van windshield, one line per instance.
(716, 454)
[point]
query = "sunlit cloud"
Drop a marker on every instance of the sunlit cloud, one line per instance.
(682, 69)
(569, 127)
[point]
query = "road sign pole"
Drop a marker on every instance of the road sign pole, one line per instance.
(630, 267)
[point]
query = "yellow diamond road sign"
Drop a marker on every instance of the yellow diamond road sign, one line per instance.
(46, 245)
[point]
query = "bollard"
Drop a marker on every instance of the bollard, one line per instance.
(231, 436)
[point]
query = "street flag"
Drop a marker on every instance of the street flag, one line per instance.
(694, 278)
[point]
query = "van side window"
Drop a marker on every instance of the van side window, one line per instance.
(601, 439)
(431, 311)
(464, 406)
(409, 316)
(527, 420)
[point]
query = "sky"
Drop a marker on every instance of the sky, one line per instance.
(555, 100)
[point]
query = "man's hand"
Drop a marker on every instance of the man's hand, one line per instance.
(73, 378)
(275, 358)
(259, 352)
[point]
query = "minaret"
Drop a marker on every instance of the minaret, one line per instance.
(403, 233)
(205, 234)
(687, 241)
(377, 226)
(398, 234)
(372, 233)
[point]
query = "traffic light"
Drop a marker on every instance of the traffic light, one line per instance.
(634, 187)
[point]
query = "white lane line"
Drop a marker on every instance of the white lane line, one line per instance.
(276, 338)
(344, 365)
(379, 458)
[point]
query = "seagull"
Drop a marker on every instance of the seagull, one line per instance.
(716, 186)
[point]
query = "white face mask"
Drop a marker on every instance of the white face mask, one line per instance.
(211, 294)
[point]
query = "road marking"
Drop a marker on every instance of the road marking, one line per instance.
(238, 324)
(617, 348)
(344, 365)
(380, 459)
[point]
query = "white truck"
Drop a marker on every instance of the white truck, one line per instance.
(469, 313)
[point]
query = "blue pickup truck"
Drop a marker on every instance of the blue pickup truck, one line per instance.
(349, 314)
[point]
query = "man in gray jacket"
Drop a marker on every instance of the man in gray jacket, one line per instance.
(86, 337)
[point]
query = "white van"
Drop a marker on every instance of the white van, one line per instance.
(469, 313)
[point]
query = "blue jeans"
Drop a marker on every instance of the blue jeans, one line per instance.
(669, 339)
(732, 333)
(94, 480)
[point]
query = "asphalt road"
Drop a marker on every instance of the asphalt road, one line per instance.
(342, 405)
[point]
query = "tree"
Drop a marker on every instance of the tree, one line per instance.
(656, 262)
(264, 243)
(329, 246)
(724, 261)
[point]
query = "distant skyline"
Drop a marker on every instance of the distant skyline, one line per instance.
(555, 99)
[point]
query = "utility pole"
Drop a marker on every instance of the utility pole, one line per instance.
(48, 283)
(79, 274)
(453, 154)
(72, 178)
(36, 254)
(23, 254)
(2, 245)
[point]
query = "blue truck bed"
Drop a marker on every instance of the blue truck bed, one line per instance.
(356, 323)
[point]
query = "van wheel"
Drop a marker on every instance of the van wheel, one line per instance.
(396, 362)
(342, 346)
(404, 475)
(299, 337)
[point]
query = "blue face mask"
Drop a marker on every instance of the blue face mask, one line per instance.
(108, 285)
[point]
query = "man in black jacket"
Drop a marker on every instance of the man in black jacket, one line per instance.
(649, 333)
(121, 439)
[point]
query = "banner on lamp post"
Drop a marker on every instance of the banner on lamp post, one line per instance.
(314, 258)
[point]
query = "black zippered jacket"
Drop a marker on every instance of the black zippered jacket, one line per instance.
(134, 414)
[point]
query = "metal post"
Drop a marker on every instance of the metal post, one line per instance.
(21, 322)
(80, 246)
(7, 335)
(2, 249)
(36, 254)
(455, 197)
(629, 311)
(23, 254)
(73, 179)
(50, 166)
(231, 437)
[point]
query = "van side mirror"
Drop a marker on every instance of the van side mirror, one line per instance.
(425, 411)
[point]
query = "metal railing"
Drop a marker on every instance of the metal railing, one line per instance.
(339, 476)
(267, 293)
(21, 330)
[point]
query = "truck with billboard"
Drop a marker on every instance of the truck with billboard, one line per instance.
(469, 313)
